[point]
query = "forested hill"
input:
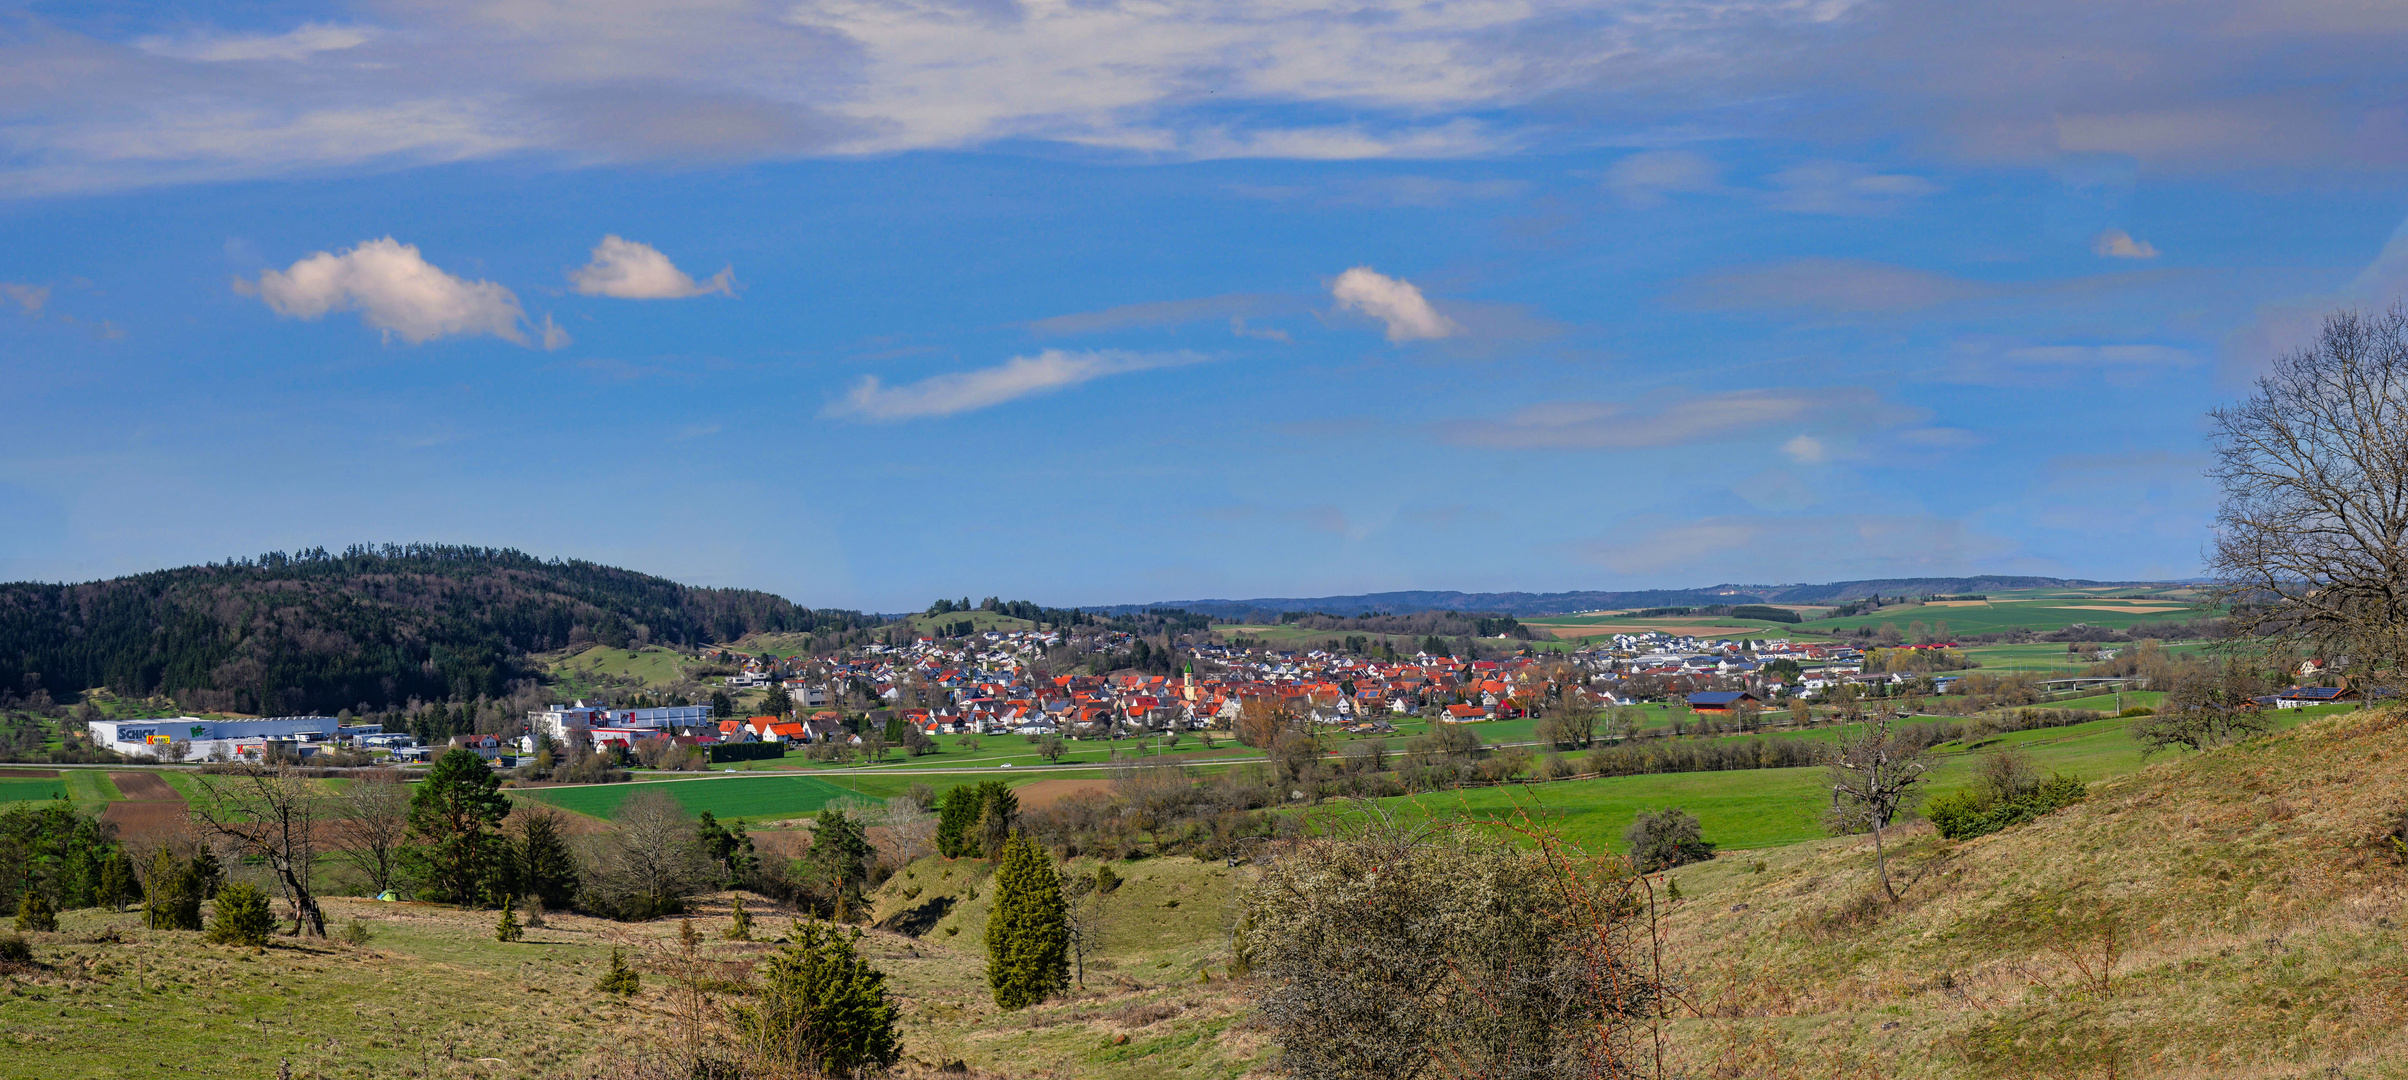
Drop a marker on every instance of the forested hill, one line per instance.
(316, 631)
(1523, 603)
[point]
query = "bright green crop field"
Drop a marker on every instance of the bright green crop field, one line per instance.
(749, 796)
(27, 790)
(1770, 807)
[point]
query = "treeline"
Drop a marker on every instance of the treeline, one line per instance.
(1763, 612)
(1420, 624)
(1016, 609)
(318, 631)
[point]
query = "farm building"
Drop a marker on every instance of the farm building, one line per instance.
(1720, 700)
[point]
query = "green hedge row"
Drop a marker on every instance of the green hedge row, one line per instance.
(746, 751)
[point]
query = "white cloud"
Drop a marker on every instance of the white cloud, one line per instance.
(1021, 376)
(553, 336)
(1644, 178)
(632, 271)
(2256, 83)
(295, 44)
(1805, 449)
(1393, 301)
(396, 291)
(2118, 244)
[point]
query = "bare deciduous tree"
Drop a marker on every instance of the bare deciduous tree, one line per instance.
(2312, 537)
(1083, 917)
(1874, 777)
(1401, 954)
(273, 814)
(651, 861)
(373, 824)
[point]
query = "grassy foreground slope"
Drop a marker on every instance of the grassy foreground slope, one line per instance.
(2236, 913)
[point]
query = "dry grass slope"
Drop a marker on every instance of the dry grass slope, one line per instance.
(2230, 914)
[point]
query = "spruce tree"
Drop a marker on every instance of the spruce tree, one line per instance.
(956, 813)
(739, 927)
(34, 914)
(547, 869)
(822, 1007)
(620, 979)
(1028, 936)
(507, 928)
(242, 916)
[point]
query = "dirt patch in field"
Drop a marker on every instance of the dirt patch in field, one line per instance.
(1045, 793)
(1956, 603)
(144, 787)
(2129, 609)
(29, 774)
(150, 807)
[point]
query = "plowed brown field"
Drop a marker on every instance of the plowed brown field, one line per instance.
(150, 807)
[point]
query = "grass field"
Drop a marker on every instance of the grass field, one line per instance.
(15, 790)
(1291, 636)
(574, 674)
(743, 797)
(1770, 807)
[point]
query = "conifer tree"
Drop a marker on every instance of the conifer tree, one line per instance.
(242, 916)
(620, 979)
(507, 928)
(740, 928)
(956, 813)
(34, 914)
(822, 1007)
(1028, 938)
(547, 869)
(172, 897)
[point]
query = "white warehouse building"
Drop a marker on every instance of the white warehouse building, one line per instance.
(563, 722)
(201, 738)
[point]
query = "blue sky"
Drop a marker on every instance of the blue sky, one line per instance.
(867, 302)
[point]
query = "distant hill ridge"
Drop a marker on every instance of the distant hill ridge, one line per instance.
(320, 631)
(1561, 603)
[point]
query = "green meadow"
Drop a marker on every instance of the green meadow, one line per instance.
(28, 790)
(750, 796)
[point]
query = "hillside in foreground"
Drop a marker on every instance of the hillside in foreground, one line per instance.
(2235, 913)
(320, 631)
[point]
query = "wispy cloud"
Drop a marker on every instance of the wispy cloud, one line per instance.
(1616, 425)
(295, 44)
(1395, 302)
(1019, 377)
(1840, 187)
(30, 298)
(1791, 548)
(396, 291)
(632, 271)
(2118, 244)
(1838, 285)
(1645, 178)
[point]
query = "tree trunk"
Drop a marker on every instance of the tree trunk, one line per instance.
(1881, 859)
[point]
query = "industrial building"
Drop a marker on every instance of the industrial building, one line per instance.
(192, 738)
